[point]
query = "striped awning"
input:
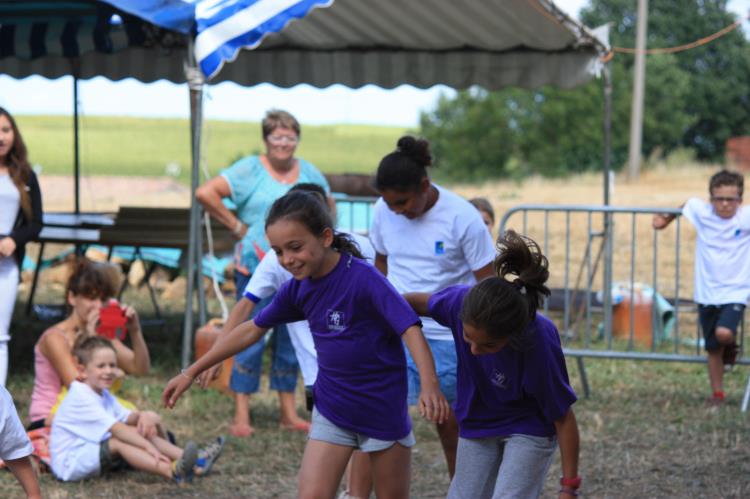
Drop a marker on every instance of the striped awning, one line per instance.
(491, 43)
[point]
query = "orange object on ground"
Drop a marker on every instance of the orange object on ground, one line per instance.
(205, 338)
(642, 318)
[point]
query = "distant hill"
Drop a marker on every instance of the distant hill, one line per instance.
(157, 147)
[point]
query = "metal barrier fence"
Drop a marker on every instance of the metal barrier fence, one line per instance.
(354, 213)
(601, 314)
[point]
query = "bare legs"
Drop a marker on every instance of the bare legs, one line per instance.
(139, 459)
(359, 475)
(323, 465)
(289, 419)
(715, 362)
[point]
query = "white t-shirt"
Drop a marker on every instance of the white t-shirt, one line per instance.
(722, 254)
(10, 203)
(443, 247)
(83, 420)
(268, 277)
(14, 444)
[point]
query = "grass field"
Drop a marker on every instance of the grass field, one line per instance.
(145, 147)
(645, 432)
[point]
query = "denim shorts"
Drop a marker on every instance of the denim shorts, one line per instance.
(446, 364)
(324, 430)
(248, 364)
(728, 315)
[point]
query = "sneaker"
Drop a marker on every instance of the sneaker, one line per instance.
(729, 357)
(182, 469)
(208, 455)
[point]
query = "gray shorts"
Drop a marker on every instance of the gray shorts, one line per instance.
(325, 431)
(501, 467)
(109, 463)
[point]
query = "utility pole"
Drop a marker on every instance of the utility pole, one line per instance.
(639, 79)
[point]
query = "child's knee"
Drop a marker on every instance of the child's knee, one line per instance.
(724, 335)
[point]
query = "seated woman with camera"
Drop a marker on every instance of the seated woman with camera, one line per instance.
(88, 294)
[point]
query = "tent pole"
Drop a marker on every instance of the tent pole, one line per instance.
(608, 228)
(607, 83)
(195, 84)
(76, 157)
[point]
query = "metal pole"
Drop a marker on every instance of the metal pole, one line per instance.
(195, 83)
(639, 78)
(607, 229)
(76, 158)
(607, 80)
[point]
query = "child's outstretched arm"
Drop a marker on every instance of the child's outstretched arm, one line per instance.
(418, 302)
(568, 440)
(662, 220)
(241, 311)
(229, 344)
(24, 473)
(432, 403)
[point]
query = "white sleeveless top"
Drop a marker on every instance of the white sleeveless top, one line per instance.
(10, 203)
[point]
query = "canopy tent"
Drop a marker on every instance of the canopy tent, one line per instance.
(490, 43)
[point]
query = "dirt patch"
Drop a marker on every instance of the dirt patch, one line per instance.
(108, 193)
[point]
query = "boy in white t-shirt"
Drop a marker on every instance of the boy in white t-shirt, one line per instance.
(722, 269)
(15, 446)
(93, 434)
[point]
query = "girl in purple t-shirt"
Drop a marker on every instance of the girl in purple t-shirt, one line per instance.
(358, 322)
(513, 401)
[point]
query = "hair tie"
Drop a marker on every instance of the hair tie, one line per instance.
(518, 283)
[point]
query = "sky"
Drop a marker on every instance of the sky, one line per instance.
(336, 104)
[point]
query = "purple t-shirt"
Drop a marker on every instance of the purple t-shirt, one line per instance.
(511, 391)
(356, 318)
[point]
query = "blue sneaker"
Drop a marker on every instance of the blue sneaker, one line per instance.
(208, 455)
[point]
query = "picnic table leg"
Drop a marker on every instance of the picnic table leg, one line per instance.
(35, 280)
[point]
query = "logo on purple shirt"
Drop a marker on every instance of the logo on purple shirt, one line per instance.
(498, 379)
(335, 320)
(439, 248)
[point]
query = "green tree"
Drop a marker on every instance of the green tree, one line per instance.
(696, 98)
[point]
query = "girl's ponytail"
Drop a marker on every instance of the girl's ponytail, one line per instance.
(505, 306)
(343, 243)
(520, 260)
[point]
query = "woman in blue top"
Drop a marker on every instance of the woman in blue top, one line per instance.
(253, 184)
(513, 401)
(358, 322)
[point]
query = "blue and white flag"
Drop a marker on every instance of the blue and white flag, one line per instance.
(221, 27)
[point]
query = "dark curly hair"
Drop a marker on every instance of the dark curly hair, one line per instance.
(504, 306)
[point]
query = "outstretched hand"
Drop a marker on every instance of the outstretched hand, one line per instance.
(206, 377)
(433, 406)
(175, 388)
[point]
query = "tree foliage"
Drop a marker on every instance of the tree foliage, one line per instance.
(695, 99)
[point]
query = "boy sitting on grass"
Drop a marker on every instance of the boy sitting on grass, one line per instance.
(722, 269)
(15, 447)
(92, 434)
